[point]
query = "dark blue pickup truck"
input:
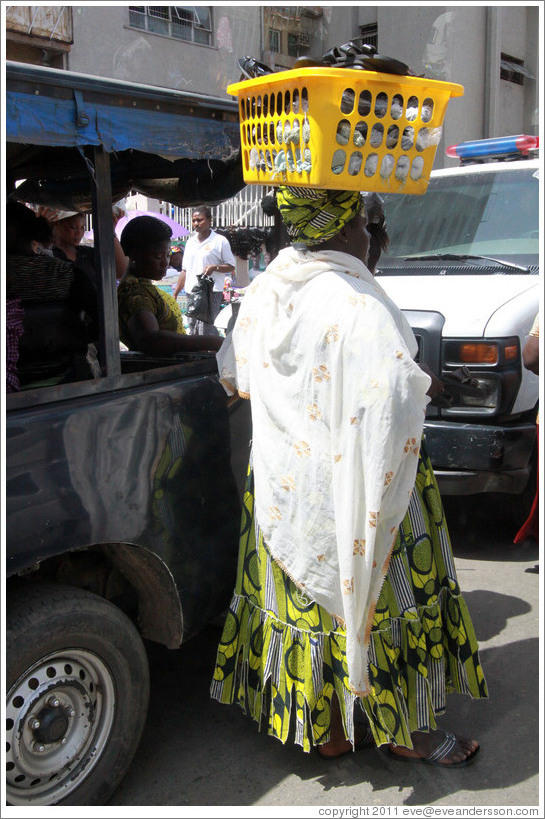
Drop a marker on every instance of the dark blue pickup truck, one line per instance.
(123, 491)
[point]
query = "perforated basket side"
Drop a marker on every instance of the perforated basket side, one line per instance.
(341, 128)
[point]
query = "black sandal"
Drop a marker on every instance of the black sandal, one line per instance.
(439, 754)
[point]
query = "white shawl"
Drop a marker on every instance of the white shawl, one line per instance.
(338, 410)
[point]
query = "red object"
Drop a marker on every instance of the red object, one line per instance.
(530, 527)
(496, 146)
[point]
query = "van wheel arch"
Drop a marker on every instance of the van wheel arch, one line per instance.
(153, 603)
(160, 615)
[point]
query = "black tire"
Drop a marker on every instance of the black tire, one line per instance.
(77, 683)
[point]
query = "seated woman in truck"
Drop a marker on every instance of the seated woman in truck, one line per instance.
(58, 302)
(68, 231)
(346, 596)
(149, 319)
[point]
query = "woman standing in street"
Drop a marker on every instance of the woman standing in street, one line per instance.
(346, 591)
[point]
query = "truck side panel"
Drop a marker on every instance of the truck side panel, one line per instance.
(149, 466)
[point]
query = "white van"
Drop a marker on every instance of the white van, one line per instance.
(463, 264)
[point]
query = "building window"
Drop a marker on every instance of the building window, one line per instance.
(369, 35)
(192, 23)
(298, 43)
(513, 70)
(293, 45)
(274, 40)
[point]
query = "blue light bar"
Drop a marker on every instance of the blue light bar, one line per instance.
(519, 144)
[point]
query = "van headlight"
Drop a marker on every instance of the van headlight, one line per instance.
(496, 367)
(491, 389)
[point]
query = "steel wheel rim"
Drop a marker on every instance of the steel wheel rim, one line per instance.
(59, 715)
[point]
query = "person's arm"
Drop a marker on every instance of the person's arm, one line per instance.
(180, 283)
(530, 354)
(83, 296)
(437, 387)
(228, 263)
(121, 261)
(224, 267)
(150, 339)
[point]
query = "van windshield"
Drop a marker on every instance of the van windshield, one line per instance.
(482, 214)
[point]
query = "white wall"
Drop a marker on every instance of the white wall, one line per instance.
(105, 45)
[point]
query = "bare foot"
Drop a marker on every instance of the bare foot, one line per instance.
(334, 748)
(338, 745)
(341, 746)
(425, 743)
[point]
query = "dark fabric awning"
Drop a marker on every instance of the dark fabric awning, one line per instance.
(180, 147)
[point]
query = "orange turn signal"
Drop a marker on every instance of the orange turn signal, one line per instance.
(479, 353)
(511, 353)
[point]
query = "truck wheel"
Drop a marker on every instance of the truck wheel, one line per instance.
(78, 687)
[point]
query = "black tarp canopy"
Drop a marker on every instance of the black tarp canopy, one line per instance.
(181, 147)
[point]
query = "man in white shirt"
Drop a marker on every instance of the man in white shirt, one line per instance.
(173, 270)
(208, 253)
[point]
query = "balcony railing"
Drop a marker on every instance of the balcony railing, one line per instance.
(52, 23)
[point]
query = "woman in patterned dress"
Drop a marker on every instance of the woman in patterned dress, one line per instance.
(150, 320)
(346, 590)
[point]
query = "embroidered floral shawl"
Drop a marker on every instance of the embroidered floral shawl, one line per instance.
(338, 409)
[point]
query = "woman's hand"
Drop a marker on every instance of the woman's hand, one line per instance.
(437, 386)
(150, 339)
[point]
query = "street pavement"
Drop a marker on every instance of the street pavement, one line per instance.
(196, 752)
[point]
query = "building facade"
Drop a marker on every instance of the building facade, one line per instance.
(492, 50)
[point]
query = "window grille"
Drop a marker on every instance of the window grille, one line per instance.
(191, 23)
(369, 35)
(513, 70)
(293, 46)
(274, 40)
(298, 42)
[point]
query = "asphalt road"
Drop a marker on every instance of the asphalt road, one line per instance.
(196, 752)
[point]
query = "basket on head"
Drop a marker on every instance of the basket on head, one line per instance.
(341, 128)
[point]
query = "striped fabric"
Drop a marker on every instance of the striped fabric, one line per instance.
(281, 658)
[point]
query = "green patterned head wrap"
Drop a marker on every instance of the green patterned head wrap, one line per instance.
(312, 215)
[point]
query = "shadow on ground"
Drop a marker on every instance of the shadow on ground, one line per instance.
(485, 526)
(197, 752)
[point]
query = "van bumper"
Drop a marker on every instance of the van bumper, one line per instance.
(472, 458)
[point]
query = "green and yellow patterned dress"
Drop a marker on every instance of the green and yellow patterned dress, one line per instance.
(281, 656)
(136, 294)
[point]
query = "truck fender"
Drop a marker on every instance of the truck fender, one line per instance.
(160, 615)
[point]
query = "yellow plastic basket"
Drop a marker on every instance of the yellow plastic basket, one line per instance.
(341, 128)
